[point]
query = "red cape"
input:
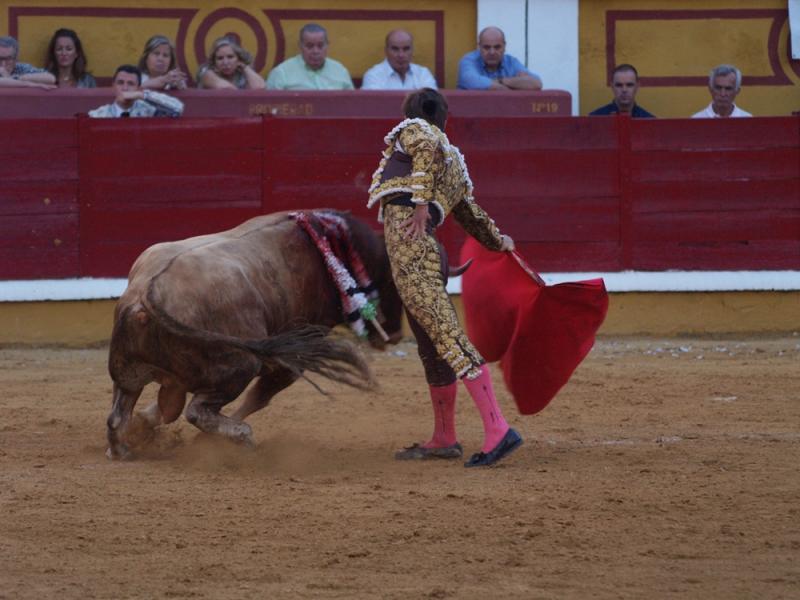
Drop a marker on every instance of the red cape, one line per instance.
(539, 332)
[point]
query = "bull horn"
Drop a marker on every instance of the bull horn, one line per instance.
(456, 271)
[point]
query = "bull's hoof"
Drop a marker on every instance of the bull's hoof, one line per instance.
(243, 435)
(120, 452)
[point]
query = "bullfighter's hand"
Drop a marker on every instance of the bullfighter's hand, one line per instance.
(508, 244)
(416, 225)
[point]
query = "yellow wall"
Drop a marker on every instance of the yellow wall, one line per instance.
(83, 323)
(356, 28)
(690, 46)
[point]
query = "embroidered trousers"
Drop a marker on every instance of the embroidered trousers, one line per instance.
(420, 275)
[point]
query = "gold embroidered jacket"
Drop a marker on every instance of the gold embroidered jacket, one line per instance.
(436, 175)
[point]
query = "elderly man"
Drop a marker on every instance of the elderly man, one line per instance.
(311, 69)
(19, 74)
(132, 101)
(397, 72)
(724, 83)
(490, 68)
(624, 85)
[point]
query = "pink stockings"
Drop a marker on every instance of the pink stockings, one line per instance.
(443, 399)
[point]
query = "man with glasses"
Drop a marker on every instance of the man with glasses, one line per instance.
(19, 74)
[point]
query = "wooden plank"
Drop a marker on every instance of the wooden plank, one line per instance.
(160, 225)
(28, 135)
(714, 134)
(566, 257)
(215, 136)
(715, 226)
(326, 137)
(514, 134)
(733, 255)
(310, 171)
(585, 219)
(688, 196)
(136, 162)
(567, 174)
(38, 198)
(44, 163)
(731, 165)
(39, 247)
(173, 191)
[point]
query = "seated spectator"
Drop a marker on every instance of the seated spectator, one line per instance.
(66, 60)
(311, 69)
(133, 101)
(624, 85)
(724, 83)
(18, 74)
(397, 72)
(158, 68)
(228, 68)
(490, 68)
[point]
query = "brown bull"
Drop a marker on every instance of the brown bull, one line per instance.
(209, 314)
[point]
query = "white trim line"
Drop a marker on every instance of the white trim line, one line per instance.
(677, 281)
(88, 288)
(85, 288)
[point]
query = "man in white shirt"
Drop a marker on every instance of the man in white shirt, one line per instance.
(397, 72)
(724, 83)
(132, 101)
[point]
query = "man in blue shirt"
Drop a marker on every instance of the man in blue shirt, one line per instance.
(624, 85)
(490, 68)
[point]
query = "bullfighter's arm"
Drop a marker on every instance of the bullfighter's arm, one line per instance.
(479, 225)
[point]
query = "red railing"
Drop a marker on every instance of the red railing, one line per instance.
(83, 197)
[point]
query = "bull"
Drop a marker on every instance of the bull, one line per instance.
(208, 315)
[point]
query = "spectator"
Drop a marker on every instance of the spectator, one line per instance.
(624, 85)
(66, 60)
(490, 68)
(133, 101)
(724, 83)
(158, 68)
(18, 74)
(397, 72)
(228, 68)
(311, 69)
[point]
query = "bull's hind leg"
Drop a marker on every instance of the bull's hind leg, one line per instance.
(119, 420)
(262, 392)
(203, 413)
(171, 400)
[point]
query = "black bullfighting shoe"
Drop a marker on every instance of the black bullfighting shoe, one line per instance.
(510, 442)
(417, 452)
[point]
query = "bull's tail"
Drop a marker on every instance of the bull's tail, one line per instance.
(309, 348)
(306, 348)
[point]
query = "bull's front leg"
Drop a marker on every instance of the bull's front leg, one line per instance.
(203, 413)
(119, 420)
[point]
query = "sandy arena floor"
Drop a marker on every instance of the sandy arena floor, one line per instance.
(665, 468)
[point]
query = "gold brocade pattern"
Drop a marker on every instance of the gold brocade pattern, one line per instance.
(438, 175)
(416, 268)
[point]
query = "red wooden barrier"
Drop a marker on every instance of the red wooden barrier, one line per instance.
(39, 199)
(146, 181)
(83, 197)
(27, 103)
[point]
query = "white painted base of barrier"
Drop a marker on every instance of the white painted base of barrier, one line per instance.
(624, 281)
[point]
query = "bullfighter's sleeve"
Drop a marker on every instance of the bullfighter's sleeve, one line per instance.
(478, 224)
